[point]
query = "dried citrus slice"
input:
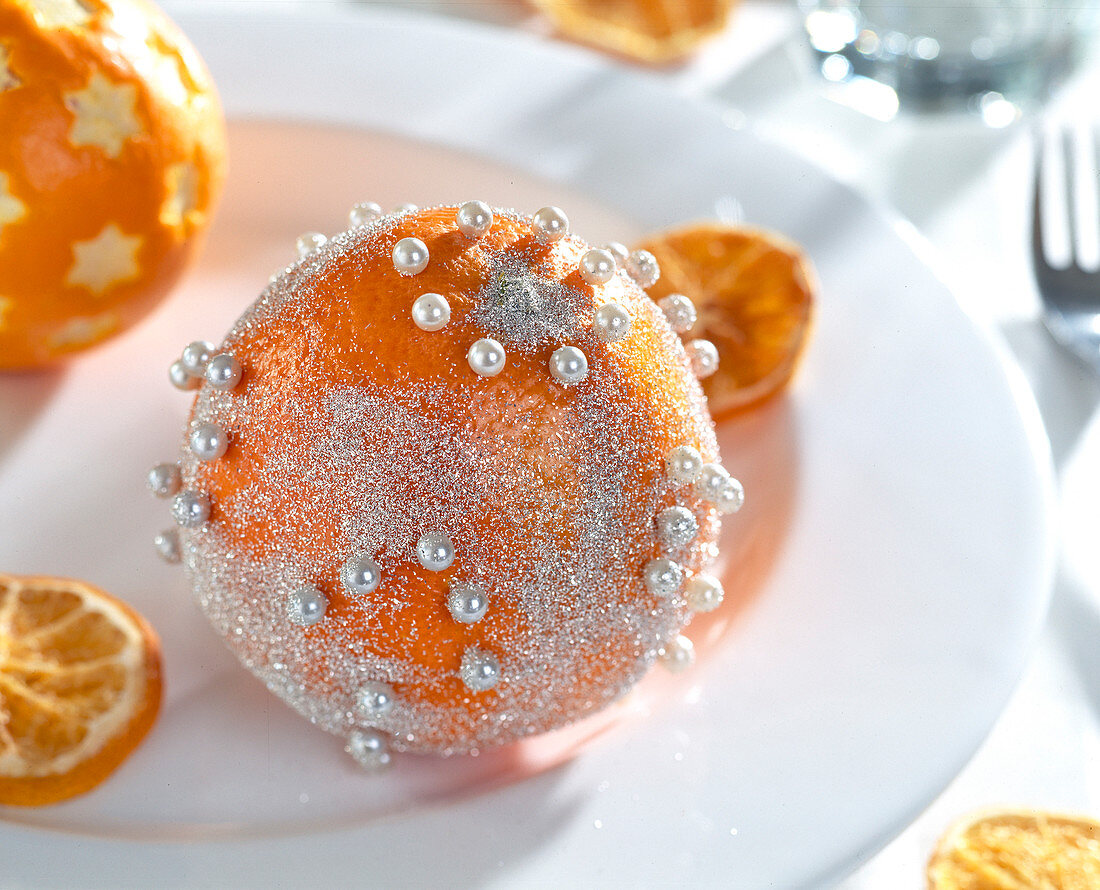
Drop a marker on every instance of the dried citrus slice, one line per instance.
(645, 30)
(80, 686)
(753, 291)
(1018, 851)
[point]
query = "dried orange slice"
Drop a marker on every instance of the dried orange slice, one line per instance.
(1018, 851)
(80, 686)
(645, 30)
(753, 291)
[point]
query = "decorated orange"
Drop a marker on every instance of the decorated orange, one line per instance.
(753, 293)
(80, 686)
(1016, 849)
(112, 155)
(645, 30)
(449, 482)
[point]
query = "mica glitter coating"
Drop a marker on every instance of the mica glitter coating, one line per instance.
(356, 433)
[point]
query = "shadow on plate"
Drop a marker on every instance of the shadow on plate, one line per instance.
(23, 396)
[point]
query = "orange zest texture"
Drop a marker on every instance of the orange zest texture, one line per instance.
(112, 155)
(80, 686)
(754, 292)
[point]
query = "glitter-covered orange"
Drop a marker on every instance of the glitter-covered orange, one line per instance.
(80, 687)
(754, 292)
(444, 509)
(112, 156)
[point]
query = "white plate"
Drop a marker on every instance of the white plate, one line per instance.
(894, 558)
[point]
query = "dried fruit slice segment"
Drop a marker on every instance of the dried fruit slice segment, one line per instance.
(80, 686)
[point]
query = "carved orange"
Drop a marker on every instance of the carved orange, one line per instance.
(111, 161)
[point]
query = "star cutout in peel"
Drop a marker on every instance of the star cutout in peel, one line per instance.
(80, 332)
(178, 209)
(11, 208)
(8, 80)
(104, 261)
(60, 13)
(103, 114)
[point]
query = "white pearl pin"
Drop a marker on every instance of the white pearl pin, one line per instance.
(164, 480)
(680, 312)
(410, 256)
(703, 356)
(642, 266)
(167, 545)
(703, 593)
(435, 551)
(474, 219)
(676, 526)
(364, 213)
(568, 365)
(551, 224)
(678, 654)
(619, 251)
(467, 603)
(486, 357)
(431, 312)
(190, 509)
(597, 266)
(369, 748)
(180, 378)
(683, 464)
(208, 441)
(195, 355)
(309, 243)
(480, 670)
(375, 700)
(306, 606)
(361, 575)
(223, 372)
(611, 323)
(663, 577)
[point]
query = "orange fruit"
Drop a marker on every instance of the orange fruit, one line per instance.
(644, 30)
(80, 686)
(754, 293)
(363, 427)
(112, 158)
(1016, 850)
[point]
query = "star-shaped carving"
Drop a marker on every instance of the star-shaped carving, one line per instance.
(11, 208)
(103, 114)
(60, 13)
(8, 80)
(104, 261)
(178, 209)
(80, 332)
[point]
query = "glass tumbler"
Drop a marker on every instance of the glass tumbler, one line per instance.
(993, 56)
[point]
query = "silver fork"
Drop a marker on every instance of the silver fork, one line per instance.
(1070, 292)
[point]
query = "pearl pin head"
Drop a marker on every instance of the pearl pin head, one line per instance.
(181, 378)
(663, 576)
(410, 256)
(611, 323)
(375, 700)
(486, 357)
(164, 480)
(431, 312)
(480, 670)
(703, 593)
(223, 372)
(474, 219)
(306, 606)
(309, 244)
(678, 654)
(467, 603)
(167, 545)
(568, 365)
(551, 224)
(435, 551)
(597, 266)
(361, 575)
(676, 527)
(195, 355)
(364, 213)
(703, 356)
(208, 441)
(683, 464)
(190, 509)
(642, 266)
(369, 748)
(680, 312)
